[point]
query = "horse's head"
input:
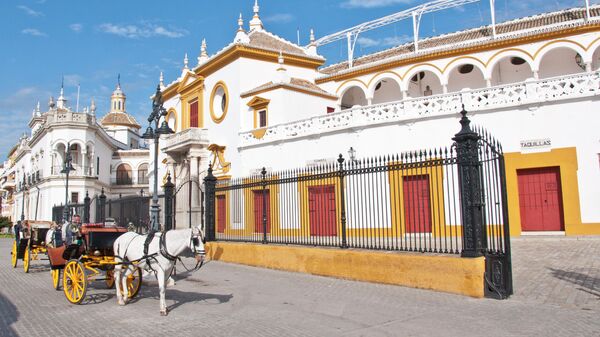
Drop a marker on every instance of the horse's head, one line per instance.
(197, 243)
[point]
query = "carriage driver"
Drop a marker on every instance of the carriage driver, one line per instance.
(73, 228)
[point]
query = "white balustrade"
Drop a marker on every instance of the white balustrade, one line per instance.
(529, 92)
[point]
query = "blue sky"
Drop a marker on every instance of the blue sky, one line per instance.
(90, 42)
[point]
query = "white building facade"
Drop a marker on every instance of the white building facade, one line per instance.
(262, 101)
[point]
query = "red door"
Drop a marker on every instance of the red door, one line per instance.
(194, 115)
(417, 209)
(258, 211)
(221, 213)
(321, 209)
(540, 199)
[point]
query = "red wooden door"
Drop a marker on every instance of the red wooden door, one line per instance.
(258, 211)
(221, 213)
(540, 199)
(417, 208)
(194, 115)
(321, 209)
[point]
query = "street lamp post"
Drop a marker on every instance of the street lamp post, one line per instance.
(158, 112)
(67, 168)
(24, 188)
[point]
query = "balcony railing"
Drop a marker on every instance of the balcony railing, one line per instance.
(85, 171)
(181, 140)
(528, 92)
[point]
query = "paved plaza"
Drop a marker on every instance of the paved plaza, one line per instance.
(557, 293)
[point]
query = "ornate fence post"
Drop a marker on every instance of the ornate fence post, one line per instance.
(470, 189)
(86, 208)
(168, 188)
(102, 206)
(264, 204)
(210, 182)
(342, 174)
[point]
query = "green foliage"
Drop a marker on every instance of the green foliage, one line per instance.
(4, 222)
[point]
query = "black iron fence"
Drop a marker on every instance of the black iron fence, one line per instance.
(446, 200)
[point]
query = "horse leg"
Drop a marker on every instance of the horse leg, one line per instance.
(124, 289)
(162, 283)
(117, 275)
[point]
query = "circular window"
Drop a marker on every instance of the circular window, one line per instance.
(219, 101)
(517, 61)
(465, 68)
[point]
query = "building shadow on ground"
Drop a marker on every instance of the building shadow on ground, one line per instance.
(585, 280)
(10, 315)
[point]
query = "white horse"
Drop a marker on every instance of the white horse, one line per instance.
(129, 247)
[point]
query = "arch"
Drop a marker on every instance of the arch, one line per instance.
(459, 61)
(171, 119)
(458, 80)
(553, 45)
(422, 67)
(501, 54)
(381, 75)
(561, 60)
(142, 174)
(385, 89)
(421, 82)
(124, 174)
(353, 96)
(350, 83)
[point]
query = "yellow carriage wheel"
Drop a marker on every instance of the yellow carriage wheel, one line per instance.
(74, 281)
(110, 279)
(13, 258)
(26, 259)
(55, 278)
(134, 282)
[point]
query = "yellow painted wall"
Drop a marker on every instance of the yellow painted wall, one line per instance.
(452, 274)
(566, 160)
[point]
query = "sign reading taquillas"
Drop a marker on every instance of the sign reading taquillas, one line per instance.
(536, 143)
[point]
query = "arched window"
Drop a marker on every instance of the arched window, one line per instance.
(143, 174)
(124, 175)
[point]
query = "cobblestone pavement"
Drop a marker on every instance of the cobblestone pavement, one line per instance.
(557, 292)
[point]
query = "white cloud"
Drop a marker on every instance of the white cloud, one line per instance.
(389, 41)
(141, 31)
(76, 27)
(279, 18)
(15, 112)
(33, 32)
(72, 80)
(30, 11)
(372, 3)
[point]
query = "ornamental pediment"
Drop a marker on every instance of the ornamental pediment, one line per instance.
(189, 82)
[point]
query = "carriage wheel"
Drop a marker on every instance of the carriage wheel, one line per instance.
(55, 278)
(134, 282)
(13, 258)
(26, 259)
(74, 281)
(110, 279)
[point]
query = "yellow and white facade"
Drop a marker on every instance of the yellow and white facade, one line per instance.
(262, 101)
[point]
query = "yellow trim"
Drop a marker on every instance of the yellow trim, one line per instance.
(348, 81)
(566, 160)
(258, 133)
(451, 274)
(384, 72)
(219, 164)
(259, 104)
(435, 177)
(494, 44)
(213, 116)
(558, 41)
(463, 58)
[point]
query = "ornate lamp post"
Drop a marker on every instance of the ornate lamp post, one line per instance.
(67, 168)
(158, 112)
(23, 203)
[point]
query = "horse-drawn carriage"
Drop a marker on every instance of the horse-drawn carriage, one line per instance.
(86, 258)
(30, 242)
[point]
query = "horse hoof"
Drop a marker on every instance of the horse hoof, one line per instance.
(120, 303)
(164, 312)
